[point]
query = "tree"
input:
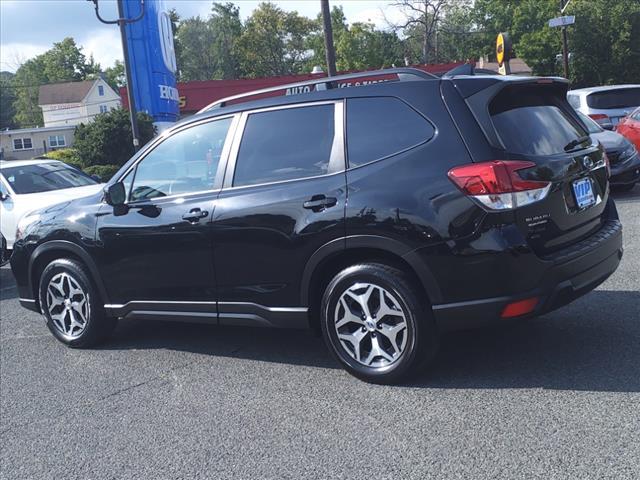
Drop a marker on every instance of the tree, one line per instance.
(115, 75)
(274, 42)
(108, 140)
(208, 48)
(363, 47)
(7, 97)
(64, 62)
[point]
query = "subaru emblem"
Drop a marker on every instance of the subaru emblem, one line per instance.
(587, 162)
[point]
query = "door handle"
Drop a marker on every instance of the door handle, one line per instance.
(194, 215)
(319, 203)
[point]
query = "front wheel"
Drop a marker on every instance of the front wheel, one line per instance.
(71, 305)
(377, 324)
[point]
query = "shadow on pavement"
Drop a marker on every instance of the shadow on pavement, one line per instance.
(8, 288)
(591, 345)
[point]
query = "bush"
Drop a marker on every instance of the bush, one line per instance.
(108, 140)
(105, 172)
(67, 155)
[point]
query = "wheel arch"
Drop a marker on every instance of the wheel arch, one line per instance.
(340, 253)
(54, 249)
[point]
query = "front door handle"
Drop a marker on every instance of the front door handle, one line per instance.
(319, 203)
(194, 215)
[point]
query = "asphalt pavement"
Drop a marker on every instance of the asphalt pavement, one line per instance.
(555, 397)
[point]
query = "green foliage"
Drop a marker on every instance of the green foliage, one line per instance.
(105, 172)
(115, 76)
(7, 97)
(67, 155)
(64, 62)
(108, 139)
(273, 42)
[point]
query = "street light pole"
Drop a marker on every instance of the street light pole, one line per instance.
(122, 21)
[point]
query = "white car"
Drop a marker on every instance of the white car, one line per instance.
(29, 184)
(607, 105)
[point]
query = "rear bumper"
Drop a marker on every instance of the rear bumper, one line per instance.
(571, 273)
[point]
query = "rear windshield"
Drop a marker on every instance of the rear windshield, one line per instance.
(44, 177)
(619, 98)
(534, 121)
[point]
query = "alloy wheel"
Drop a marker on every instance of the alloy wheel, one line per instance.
(371, 325)
(67, 304)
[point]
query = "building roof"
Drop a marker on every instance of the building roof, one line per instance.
(37, 129)
(68, 92)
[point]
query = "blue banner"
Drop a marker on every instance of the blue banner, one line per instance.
(152, 59)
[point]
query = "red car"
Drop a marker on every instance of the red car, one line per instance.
(629, 126)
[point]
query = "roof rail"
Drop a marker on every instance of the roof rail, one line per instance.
(401, 72)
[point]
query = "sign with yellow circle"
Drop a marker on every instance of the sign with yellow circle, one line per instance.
(500, 47)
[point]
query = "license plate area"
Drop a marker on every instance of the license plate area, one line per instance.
(583, 193)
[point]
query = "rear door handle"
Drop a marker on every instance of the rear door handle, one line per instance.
(194, 215)
(320, 202)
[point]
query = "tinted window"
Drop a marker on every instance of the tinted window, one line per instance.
(44, 177)
(592, 126)
(531, 121)
(285, 144)
(185, 162)
(619, 98)
(379, 127)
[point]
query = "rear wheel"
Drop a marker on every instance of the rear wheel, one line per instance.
(376, 323)
(71, 305)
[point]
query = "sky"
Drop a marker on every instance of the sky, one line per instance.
(30, 27)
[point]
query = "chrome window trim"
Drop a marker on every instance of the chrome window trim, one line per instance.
(337, 159)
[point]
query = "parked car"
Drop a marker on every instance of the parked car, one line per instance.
(26, 185)
(607, 105)
(630, 127)
(622, 154)
(380, 215)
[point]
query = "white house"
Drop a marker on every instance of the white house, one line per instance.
(72, 103)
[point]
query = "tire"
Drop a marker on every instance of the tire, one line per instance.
(385, 349)
(72, 306)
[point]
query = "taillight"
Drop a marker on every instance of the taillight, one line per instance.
(497, 185)
(599, 117)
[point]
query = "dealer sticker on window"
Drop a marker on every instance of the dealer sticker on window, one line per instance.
(583, 190)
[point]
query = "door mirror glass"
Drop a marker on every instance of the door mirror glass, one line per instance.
(607, 125)
(115, 194)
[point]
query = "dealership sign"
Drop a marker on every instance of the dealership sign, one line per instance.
(152, 60)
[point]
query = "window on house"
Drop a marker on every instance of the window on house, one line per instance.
(101, 90)
(22, 144)
(57, 141)
(104, 109)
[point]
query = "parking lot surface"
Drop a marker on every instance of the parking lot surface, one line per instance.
(555, 397)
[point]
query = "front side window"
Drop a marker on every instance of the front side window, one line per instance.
(185, 162)
(285, 144)
(380, 127)
(44, 177)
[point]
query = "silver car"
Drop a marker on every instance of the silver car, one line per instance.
(607, 105)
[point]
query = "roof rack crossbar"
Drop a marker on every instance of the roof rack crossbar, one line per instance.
(401, 72)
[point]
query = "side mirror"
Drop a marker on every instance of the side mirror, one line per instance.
(607, 126)
(115, 194)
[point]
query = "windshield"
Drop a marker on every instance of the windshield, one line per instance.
(591, 125)
(45, 177)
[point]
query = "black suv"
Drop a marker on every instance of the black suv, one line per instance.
(381, 215)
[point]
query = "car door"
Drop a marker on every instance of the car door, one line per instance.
(284, 197)
(156, 253)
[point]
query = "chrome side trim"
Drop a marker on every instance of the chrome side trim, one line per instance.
(26, 300)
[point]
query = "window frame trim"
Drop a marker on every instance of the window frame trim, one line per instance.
(217, 182)
(337, 159)
(22, 139)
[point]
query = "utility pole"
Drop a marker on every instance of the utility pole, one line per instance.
(122, 21)
(565, 47)
(328, 38)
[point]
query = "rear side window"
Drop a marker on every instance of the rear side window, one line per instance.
(574, 101)
(532, 121)
(285, 144)
(619, 98)
(380, 127)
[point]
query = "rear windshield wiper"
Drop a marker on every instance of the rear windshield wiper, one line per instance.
(574, 143)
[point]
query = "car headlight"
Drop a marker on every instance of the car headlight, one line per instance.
(25, 222)
(628, 152)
